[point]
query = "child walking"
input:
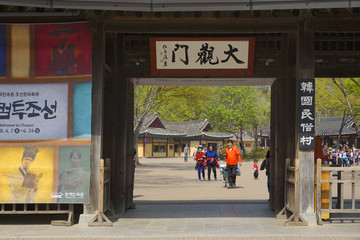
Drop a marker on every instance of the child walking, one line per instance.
(256, 170)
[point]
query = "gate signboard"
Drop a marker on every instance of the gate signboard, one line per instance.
(202, 57)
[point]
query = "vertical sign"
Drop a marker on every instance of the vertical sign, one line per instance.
(307, 114)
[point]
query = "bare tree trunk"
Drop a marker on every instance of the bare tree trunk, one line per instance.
(256, 138)
(136, 136)
(340, 131)
(343, 90)
(147, 97)
(242, 141)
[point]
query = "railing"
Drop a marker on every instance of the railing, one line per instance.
(291, 211)
(100, 220)
(345, 175)
(41, 208)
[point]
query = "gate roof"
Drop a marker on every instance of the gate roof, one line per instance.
(184, 5)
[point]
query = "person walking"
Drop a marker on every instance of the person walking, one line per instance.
(351, 157)
(357, 156)
(211, 161)
(221, 152)
(233, 158)
(200, 161)
(186, 153)
(195, 151)
(266, 165)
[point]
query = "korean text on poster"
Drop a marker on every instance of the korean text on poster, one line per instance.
(307, 114)
(33, 111)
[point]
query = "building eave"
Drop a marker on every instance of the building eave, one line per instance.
(184, 5)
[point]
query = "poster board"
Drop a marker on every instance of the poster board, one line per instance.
(45, 112)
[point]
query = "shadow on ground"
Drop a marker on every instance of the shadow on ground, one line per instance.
(200, 209)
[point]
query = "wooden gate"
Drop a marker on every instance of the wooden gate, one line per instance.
(348, 176)
(291, 209)
(37, 208)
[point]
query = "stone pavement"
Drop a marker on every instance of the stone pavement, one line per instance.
(185, 213)
(172, 179)
(189, 220)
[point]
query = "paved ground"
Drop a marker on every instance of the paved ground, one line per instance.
(172, 179)
(170, 207)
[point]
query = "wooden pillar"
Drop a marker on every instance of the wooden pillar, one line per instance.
(273, 142)
(291, 96)
(115, 122)
(111, 116)
(144, 146)
(283, 102)
(97, 113)
(110, 95)
(120, 166)
(305, 70)
(280, 148)
(129, 147)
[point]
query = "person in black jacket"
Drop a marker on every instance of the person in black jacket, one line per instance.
(266, 165)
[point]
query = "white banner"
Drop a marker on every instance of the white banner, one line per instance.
(202, 54)
(33, 111)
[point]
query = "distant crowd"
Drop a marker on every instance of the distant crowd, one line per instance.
(343, 156)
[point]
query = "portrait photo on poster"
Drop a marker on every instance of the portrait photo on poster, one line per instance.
(63, 49)
(26, 174)
(74, 174)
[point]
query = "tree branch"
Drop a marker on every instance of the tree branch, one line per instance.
(357, 83)
(343, 90)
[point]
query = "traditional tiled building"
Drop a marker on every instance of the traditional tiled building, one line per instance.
(168, 139)
(328, 129)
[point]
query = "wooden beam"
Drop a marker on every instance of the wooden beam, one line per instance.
(305, 70)
(120, 107)
(110, 131)
(129, 188)
(202, 27)
(97, 113)
(337, 25)
(273, 142)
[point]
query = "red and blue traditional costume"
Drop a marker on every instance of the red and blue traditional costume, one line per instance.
(211, 162)
(200, 158)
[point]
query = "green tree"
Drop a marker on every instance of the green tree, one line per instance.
(183, 103)
(338, 97)
(232, 109)
(260, 117)
(328, 100)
